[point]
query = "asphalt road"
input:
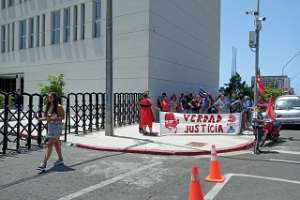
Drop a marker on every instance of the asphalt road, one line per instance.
(104, 175)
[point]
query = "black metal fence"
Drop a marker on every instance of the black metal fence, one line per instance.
(84, 112)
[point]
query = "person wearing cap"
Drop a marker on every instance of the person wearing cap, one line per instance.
(258, 123)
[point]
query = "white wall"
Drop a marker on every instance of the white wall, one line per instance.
(83, 62)
(184, 45)
(177, 39)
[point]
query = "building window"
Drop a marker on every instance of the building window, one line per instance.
(67, 25)
(38, 31)
(97, 19)
(13, 36)
(3, 4)
(8, 38)
(23, 34)
(43, 29)
(82, 33)
(55, 27)
(10, 3)
(3, 38)
(31, 33)
(75, 23)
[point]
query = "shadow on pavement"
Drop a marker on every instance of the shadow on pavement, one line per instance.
(291, 127)
(63, 168)
(22, 151)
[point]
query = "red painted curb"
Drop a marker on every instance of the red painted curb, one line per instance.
(167, 152)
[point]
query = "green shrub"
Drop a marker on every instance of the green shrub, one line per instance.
(56, 84)
(1, 102)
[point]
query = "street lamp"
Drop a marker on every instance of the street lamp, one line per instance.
(286, 64)
(290, 60)
(254, 43)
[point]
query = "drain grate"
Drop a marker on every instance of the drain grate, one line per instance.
(196, 144)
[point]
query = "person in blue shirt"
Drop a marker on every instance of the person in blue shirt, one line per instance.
(246, 114)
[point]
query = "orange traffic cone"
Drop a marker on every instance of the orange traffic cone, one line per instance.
(214, 168)
(195, 191)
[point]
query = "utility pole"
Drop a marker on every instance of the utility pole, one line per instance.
(254, 43)
(257, 30)
(109, 127)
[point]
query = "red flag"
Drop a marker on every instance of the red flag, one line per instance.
(260, 86)
(270, 109)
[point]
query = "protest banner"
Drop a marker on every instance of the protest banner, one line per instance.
(188, 123)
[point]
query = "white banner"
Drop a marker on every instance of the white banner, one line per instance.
(188, 123)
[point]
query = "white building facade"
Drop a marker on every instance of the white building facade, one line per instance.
(162, 45)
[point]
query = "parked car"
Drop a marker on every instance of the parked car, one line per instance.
(287, 109)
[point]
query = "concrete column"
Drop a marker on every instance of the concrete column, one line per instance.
(13, 36)
(47, 28)
(79, 31)
(89, 19)
(8, 37)
(27, 33)
(38, 29)
(18, 82)
(71, 22)
(61, 25)
(17, 35)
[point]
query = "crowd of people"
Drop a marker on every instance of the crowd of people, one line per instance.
(191, 103)
(196, 103)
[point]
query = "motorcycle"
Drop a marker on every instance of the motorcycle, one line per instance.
(271, 130)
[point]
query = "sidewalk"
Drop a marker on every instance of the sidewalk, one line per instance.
(129, 140)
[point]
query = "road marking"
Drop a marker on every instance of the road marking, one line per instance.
(107, 182)
(285, 161)
(288, 152)
(267, 178)
(219, 186)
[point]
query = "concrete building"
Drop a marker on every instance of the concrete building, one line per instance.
(280, 82)
(161, 45)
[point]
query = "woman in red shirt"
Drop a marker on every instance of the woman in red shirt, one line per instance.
(164, 104)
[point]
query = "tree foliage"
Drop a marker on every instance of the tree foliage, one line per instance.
(56, 84)
(236, 87)
(271, 91)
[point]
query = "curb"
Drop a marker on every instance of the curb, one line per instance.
(239, 147)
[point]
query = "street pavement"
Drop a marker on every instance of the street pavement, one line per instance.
(89, 174)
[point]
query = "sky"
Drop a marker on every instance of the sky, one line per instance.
(279, 39)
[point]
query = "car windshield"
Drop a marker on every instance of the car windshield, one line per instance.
(287, 103)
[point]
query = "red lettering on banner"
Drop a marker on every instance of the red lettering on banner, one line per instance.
(203, 128)
(212, 130)
(211, 119)
(193, 118)
(186, 117)
(186, 129)
(197, 129)
(199, 118)
(205, 118)
(220, 129)
(219, 118)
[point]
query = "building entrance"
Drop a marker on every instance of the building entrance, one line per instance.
(12, 83)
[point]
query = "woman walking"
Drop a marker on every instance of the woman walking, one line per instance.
(54, 114)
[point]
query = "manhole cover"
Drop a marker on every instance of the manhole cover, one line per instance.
(196, 144)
